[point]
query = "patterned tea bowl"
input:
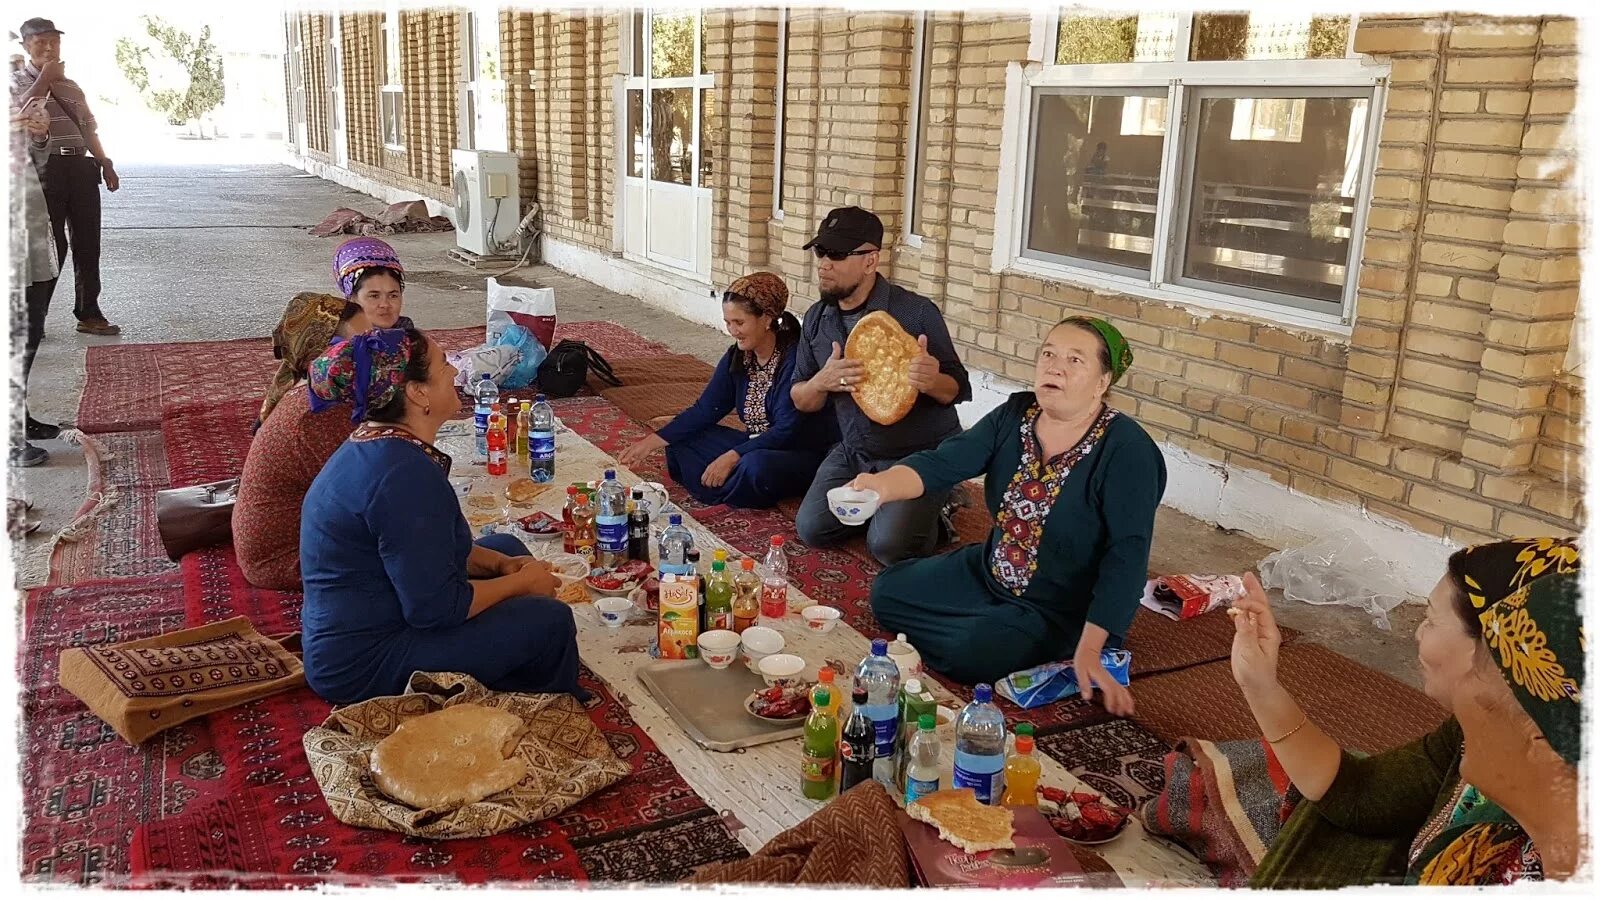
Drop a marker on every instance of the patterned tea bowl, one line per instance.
(820, 619)
(719, 648)
(852, 507)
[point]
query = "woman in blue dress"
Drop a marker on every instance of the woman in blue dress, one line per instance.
(393, 581)
(777, 454)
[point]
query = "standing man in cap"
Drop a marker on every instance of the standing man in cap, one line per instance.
(847, 247)
(77, 165)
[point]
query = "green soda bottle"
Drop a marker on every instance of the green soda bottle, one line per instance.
(719, 597)
(820, 755)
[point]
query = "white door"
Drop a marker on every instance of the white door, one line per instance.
(341, 135)
(666, 205)
(297, 86)
(483, 83)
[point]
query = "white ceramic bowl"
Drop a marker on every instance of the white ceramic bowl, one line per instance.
(780, 666)
(719, 648)
(820, 619)
(759, 641)
(613, 610)
(852, 507)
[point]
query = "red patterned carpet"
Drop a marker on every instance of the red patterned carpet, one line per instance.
(130, 387)
(115, 533)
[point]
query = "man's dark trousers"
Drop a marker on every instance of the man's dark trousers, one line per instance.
(72, 193)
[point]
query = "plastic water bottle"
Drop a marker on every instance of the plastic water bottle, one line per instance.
(612, 521)
(922, 759)
(775, 584)
(981, 747)
(881, 678)
(676, 542)
(542, 441)
(484, 400)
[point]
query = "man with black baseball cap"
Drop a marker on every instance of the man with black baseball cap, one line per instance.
(77, 165)
(847, 246)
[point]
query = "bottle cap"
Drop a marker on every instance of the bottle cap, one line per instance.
(982, 694)
(675, 519)
(572, 491)
(825, 676)
(1024, 744)
(526, 404)
(538, 398)
(611, 474)
(880, 647)
(821, 697)
(719, 554)
(859, 696)
(747, 564)
(718, 565)
(777, 540)
(638, 494)
(1025, 728)
(484, 377)
(913, 685)
(927, 722)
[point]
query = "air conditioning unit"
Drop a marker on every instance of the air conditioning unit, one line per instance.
(486, 200)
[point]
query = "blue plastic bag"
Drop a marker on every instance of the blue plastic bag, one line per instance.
(530, 354)
(1050, 682)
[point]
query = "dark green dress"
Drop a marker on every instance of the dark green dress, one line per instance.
(1402, 816)
(1071, 543)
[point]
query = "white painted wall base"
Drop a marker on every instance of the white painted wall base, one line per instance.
(662, 288)
(386, 193)
(1250, 502)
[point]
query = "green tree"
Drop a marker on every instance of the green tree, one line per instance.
(176, 73)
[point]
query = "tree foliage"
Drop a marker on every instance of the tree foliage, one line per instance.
(175, 73)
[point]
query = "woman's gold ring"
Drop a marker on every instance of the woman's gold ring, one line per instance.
(843, 381)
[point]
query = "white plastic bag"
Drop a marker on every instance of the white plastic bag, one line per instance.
(1338, 569)
(473, 363)
(532, 308)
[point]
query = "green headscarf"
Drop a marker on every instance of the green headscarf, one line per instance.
(1526, 596)
(1121, 355)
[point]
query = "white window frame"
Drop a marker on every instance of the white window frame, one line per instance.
(780, 122)
(392, 91)
(916, 130)
(1164, 282)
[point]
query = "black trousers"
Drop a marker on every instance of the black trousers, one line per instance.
(38, 295)
(72, 192)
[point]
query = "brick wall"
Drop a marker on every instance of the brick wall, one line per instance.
(1444, 410)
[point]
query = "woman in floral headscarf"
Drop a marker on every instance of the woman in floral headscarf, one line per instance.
(1490, 797)
(368, 272)
(394, 583)
(291, 443)
(1073, 486)
(778, 452)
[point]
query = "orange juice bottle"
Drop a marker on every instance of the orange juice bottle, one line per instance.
(1022, 775)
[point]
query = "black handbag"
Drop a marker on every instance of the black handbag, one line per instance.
(565, 371)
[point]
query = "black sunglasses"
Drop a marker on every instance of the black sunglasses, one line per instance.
(841, 255)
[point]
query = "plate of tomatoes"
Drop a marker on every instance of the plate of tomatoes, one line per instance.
(784, 702)
(1082, 817)
(543, 526)
(619, 581)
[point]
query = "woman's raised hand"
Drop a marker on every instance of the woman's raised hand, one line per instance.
(1255, 639)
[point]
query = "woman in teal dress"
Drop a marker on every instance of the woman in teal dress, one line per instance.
(1073, 485)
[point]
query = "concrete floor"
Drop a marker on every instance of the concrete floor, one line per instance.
(210, 249)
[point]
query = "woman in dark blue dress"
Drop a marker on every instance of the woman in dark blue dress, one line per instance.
(777, 454)
(393, 581)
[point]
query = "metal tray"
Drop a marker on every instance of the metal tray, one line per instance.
(709, 704)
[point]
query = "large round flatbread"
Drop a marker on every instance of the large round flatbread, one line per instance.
(963, 821)
(450, 758)
(886, 351)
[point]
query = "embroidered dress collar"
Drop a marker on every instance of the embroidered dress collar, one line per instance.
(375, 431)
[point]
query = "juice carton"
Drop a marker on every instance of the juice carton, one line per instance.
(678, 625)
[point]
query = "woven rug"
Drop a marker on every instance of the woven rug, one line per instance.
(1357, 707)
(84, 789)
(114, 534)
(129, 387)
(276, 828)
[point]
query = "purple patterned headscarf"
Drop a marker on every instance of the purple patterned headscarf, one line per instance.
(361, 253)
(364, 371)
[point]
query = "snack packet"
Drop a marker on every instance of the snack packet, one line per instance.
(1050, 682)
